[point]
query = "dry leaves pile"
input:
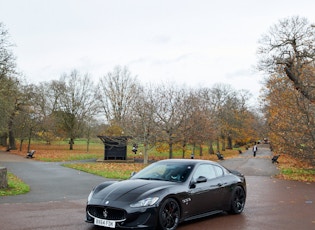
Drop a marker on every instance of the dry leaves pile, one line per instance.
(293, 169)
(60, 153)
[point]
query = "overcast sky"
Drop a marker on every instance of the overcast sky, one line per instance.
(191, 42)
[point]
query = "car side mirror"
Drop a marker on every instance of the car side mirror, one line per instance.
(133, 173)
(201, 179)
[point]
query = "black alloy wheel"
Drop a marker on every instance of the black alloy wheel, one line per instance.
(238, 200)
(169, 214)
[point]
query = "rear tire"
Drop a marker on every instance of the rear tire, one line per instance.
(238, 200)
(169, 214)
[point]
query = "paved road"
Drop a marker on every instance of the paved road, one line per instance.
(58, 195)
(49, 181)
(253, 166)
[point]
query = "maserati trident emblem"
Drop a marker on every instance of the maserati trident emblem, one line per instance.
(105, 213)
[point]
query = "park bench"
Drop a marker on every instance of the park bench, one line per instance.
(275, 159)
(220, 156)
(30, 154)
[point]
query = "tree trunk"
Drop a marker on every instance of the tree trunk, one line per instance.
(223, 143)
(145, 155)
(184, 149)
(29, 141)
(229, 142)
(4, 137)
(71, 143)
(171, 150)
(21, 144)
(170, 145)
(218, 144)
(200, 150)
(298, 85)
(12, 144)
(210, 149)
(88, 145)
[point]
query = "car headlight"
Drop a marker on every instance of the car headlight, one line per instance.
(145, 202)
(90, 195)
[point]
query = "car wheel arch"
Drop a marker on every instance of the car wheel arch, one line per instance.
(162, 202)
(234, 197)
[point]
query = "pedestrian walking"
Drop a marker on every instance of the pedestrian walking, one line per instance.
(255, 149)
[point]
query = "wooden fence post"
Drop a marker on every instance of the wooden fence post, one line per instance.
(3, 178)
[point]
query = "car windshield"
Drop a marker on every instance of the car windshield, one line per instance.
(176, 172)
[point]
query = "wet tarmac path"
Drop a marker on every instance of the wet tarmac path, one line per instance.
(58, 196)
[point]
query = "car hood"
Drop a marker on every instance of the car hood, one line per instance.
(131, 190)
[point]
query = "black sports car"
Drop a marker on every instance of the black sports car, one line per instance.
(166, 193)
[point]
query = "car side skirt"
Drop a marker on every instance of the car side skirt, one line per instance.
(203, 215)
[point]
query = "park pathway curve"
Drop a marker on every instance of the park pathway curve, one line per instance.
(48, 181)
(58, 196)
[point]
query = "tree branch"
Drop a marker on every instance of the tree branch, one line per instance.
(298, 85)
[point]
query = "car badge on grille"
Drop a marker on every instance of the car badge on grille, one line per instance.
(105, 213)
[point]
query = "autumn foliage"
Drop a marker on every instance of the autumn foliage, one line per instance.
(291, 120)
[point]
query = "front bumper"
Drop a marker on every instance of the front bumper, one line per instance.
(133, 218)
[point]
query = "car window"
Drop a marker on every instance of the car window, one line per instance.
(205, 170)
(218, 170)
(176, 172)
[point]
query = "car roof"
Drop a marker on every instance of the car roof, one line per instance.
(189, 161)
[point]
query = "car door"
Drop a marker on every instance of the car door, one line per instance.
(205, 190)
(223, 199)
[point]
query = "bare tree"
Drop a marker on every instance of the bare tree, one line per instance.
(18, 97)
(170, 113)
(141, 124)
(229, 111)
(208, 121)
(289, 46)
(287, 54)
(26, 121)
(9, 87)
(44, 103)
(7, 58)
(75, 101)
(117, 90)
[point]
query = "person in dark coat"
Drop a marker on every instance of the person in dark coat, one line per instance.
(255, 149)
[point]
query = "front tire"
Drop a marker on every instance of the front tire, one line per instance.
(169, 214)
(238, 200)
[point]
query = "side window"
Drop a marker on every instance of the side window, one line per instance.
(218, 170)
(211, 172)
(205, 170)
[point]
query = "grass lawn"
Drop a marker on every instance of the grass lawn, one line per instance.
(15, 186)
(290, 168)
(59, 151)
(108, 170)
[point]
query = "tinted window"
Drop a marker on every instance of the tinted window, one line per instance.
(177, 172)
(218, 170)
(205, 170)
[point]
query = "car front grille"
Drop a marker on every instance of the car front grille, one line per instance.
(107, 213)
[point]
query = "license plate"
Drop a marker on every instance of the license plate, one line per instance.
(104, 223)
